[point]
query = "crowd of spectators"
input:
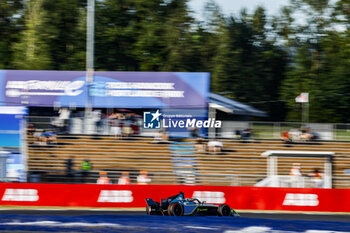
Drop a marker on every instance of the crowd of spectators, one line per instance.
(296, 176)
(45, 137)
(211, 146)
(304, 134)
(243, 134)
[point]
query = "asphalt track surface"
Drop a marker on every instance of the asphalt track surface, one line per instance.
(284, 216)
(108, 221)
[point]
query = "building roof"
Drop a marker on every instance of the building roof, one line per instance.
(231, 106)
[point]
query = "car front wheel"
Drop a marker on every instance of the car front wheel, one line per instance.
(224, 210)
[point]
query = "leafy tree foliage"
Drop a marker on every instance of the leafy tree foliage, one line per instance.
(10, 25)
(260, 60)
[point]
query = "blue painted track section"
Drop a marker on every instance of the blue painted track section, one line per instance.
(144, 223)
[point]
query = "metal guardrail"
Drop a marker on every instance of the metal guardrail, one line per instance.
(260, 129)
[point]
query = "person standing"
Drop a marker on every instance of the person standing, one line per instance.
(143, 178)
(69, 168)
(103, 179)
(316, 178)
(64, 114)
(124, 179)
(295, 175)
(86, 167)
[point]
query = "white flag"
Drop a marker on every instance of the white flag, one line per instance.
(302, 98)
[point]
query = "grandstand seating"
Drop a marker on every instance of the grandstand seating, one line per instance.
(240, 162)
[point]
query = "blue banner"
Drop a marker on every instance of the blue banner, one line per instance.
(107, 90)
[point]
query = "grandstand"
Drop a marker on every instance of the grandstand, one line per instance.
(239, 164)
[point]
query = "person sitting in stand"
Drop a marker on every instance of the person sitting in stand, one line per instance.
(143, 178)
(285, 137)
(215, 145)
(305, 134)
(49, 137)
(38, 135)
(124, 179)
(31, 129)
(200, 145)
(246, 134)
(238, 134)
(295, 175)
(103, 179)
(316, 178)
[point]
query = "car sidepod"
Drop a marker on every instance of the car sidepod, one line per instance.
(200, 210)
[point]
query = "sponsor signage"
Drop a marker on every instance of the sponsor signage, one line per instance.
(108, 89)
(301, 199)
(210, 196)
(115, 196)
(20, 195)
(248, 198)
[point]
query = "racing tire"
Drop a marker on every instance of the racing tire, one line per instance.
(149, 210)
(224, 210)
(176, 209)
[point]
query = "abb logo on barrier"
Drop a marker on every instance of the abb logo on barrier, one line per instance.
(115, 196)
(20, 195)
(300, 199)
(210, 197)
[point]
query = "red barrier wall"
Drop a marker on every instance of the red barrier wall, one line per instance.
(254, 198)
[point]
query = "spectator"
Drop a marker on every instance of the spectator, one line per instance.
(115, 124)
(194, 132)
(69, 168)
(238, 134)
(316, 178)
(305, 134)
(103, 179)
(64, 114)
(126, 130)
(246, 134)
(86, 167)
(161, 137)
(200, 145)
(98, 117)
(294, 134)
(157, 137)
(295, 175)
(38, 136)
(315, 135)
(285, 137)
(124, 179)
(30, 129)
(143, 178)
(49, 137)
(215, 145)
(295, 170)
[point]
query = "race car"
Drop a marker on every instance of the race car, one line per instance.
(178, 205)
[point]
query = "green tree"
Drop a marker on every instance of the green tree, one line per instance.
(32, 50)
(10, 24)
(247, 66)
(64, 24)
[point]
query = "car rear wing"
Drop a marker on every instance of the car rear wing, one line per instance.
(150, 202)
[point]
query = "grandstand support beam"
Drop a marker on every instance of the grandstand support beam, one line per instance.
(328, 173)
(211, 114)
(90, 35)
(305, 112)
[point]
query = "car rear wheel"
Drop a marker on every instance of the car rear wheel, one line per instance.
(224, 210)
(175, 209)
(149, 210)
